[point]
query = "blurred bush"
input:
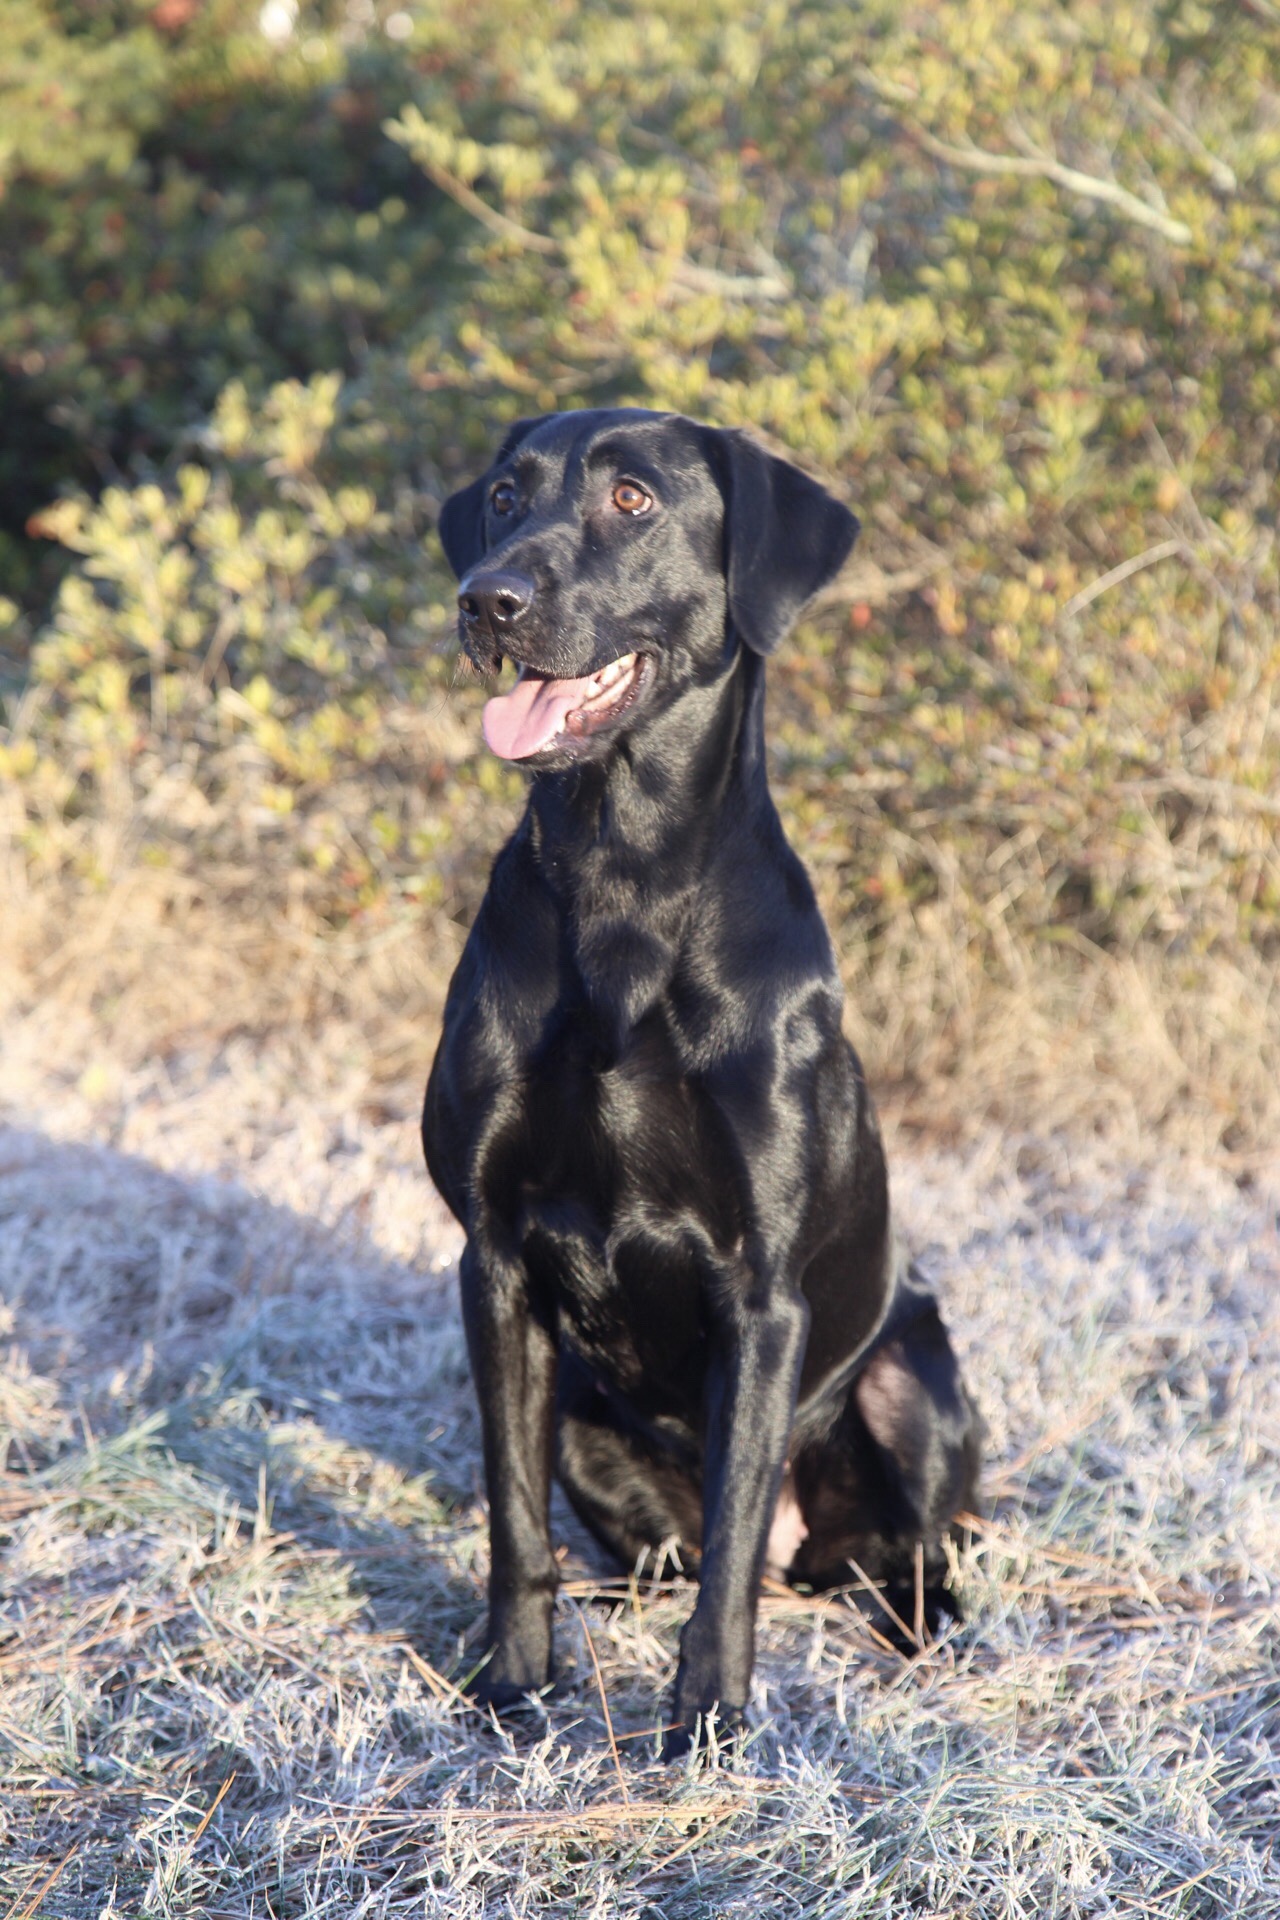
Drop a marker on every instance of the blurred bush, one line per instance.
(186, 201)
(1006, 276)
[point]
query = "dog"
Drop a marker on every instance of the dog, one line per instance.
(681, 1288)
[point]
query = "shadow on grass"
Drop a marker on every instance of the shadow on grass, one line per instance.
(321, 1385)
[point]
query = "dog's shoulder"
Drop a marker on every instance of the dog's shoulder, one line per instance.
(759, 917)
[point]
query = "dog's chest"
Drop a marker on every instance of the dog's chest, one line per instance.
(625, 1201)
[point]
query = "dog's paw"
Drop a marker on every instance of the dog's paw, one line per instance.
(506, 1699)
(705, 1735)
(510, 1690)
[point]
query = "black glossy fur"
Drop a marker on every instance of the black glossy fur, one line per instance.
(680, 1274)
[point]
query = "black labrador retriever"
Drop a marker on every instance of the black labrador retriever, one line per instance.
(680, 1283)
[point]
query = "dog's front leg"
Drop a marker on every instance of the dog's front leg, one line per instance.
(757, 1349)
(513, 1363)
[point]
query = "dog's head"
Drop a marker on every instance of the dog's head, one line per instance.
(615, 556)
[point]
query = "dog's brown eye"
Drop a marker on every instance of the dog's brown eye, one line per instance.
(629, 498)
(503, 497)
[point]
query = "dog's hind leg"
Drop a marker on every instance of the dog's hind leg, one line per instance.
(883, 1487)
(637, 1498)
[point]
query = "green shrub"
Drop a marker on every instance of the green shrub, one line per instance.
(182, 203)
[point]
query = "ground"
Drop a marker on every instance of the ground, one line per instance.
(245, 1546)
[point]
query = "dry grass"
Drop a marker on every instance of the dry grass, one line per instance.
(245, 1549)
(159, 965)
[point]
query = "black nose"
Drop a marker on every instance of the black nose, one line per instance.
(495, 600)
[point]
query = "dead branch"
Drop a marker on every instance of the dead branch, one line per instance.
(1034, 167)
(768, 286)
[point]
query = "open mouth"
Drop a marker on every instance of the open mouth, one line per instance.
(540, 713)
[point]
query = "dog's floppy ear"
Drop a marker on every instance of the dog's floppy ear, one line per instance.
(461, 522)
(784, 537)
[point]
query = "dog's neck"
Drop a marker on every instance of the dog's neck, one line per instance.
(602, 833)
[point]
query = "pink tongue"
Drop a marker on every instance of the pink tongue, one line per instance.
(528, 718)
